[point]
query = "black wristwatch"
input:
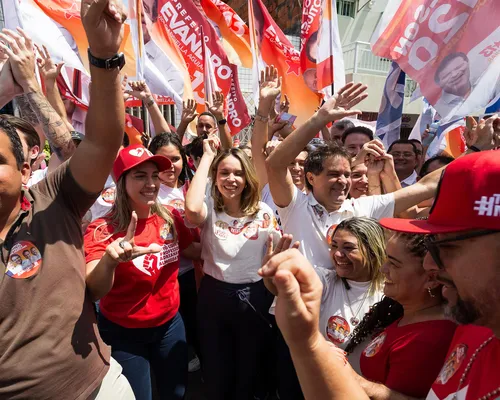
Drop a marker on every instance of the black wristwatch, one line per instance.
(117, 61)
(475, 149)
(222, 122)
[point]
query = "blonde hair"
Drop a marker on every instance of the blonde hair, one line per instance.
(121, 213)
(250, 197)
(371, 244)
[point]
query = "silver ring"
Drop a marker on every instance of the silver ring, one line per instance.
(123, 243)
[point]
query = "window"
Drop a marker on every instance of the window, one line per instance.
(346, 8)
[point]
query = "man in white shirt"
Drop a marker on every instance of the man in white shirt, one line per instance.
(311, 218)
(405, 156)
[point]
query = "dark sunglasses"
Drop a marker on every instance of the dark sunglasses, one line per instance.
(432, 245)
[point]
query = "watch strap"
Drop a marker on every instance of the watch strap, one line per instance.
(222, 121)
(117, 61)
(475, 149)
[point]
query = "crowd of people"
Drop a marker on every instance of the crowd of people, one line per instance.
(310, 262)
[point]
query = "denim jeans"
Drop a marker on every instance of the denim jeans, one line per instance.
(162, 349)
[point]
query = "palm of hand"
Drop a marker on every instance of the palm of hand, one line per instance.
(49, 70)
(188, 114)
(269, 89)
(217, 107)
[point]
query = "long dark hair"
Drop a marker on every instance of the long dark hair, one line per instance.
(386, 311)
(166, 139)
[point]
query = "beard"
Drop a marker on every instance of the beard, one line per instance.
(463, 312)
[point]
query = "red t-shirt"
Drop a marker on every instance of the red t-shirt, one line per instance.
(145, 291)
(483, 376)
(407, 359)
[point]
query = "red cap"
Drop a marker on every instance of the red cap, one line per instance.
(134, 155)
(468, 197)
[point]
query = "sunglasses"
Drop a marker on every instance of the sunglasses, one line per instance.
(432, 245)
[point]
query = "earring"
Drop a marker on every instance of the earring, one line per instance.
(429, 290)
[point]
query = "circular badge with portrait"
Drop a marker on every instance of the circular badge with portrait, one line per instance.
(24, 260)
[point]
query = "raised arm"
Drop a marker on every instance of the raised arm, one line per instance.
(270, 87)
(9, 88)
(34, 106)
(141, 91)
(92, 162)
(321, 366)
(217, 109)
(49, 72)
(188, 115)
(337, 107)
(196, 212)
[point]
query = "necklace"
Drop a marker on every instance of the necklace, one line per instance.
(468, 368)
(354, 319)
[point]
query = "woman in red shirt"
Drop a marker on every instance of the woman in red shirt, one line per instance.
(408, 330)
(132, 265)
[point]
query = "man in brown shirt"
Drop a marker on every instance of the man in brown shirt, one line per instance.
(49, 344)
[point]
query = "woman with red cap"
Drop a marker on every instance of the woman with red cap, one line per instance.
(132, 265)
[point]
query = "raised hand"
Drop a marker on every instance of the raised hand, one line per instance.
(270, 84)
(48, 68)
(188, 111)
(284, 243)
(485, 134)
(103, 21)
(211, 145)
(339, 105)
(299, 295)
(217, 106)
(374, 148)
(21, 58)
(124, 249)
(139, 90)
(8, 85)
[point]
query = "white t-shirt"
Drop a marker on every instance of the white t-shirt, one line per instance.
(410, 180)
(268, 199)
(233, 248)
(105, 200)
(335, 318)
(37, 176)
(311, 225)
(174, 197)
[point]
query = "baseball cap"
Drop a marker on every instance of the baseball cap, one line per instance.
(468, 197)
(134, 155)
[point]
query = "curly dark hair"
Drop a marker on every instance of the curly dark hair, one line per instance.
(386, 311)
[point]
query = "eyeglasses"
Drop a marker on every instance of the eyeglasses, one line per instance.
(432, 245)
(406, 154)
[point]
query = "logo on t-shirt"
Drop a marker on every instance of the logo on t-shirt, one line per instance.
(151, 264)
(108, 195)
(452, 364)
(24, 260)
(178, 204)
(165, 233)
(221, 230)
(375, 345)
(337, 330)
(236, 227)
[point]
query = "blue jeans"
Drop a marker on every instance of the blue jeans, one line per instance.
(162, 349)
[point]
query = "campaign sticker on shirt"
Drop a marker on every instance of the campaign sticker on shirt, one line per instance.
(251, 231)
(452, 364)
(338, 330)
(165, 233)
(24, 260)
(236, 227)
(108, 195)
(266, 220)
(375, 345)
(329, 234)
(178, 204)
(221, 230)
(151, 264)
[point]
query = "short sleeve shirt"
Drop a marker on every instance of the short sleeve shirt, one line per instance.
(105, 201)
(233, 248)
(145, 291)
(50, 347)
(483, 376)
(407, 359)
(311, 225)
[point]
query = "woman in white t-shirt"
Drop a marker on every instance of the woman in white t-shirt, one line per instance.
(173, 188)
(232, 300)
(349, 290)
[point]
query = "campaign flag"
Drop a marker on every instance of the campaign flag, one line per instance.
(321, 57)
(271, 46)
(209, 80)
(494, 108)
(391, 106)
(183, 21)
(450, 47)
(449, 135)
(426, 118)
(234, 32)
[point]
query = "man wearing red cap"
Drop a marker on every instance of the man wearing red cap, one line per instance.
(464, 252)
(50, 347)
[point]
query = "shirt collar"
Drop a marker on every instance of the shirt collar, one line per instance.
(347, 205)
(410, 180)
